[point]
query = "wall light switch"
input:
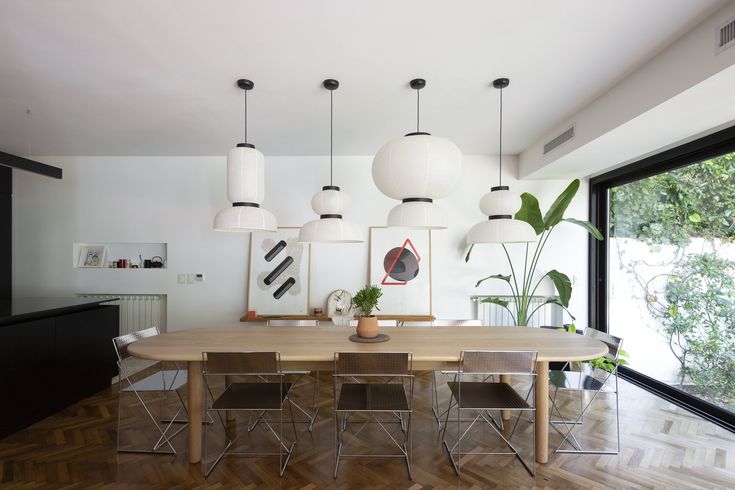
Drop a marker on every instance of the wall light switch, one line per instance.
(190, 278)
(199, 278)
(181, 278)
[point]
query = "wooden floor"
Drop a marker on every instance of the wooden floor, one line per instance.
(662, 447)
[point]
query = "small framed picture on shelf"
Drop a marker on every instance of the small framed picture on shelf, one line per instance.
(92, 256)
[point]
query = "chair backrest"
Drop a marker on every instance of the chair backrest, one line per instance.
(244, 363)
(293, 323)
(372, 363)
(614, 344)
(381, 323)
(122, 342)
(497, 362)
(456, 323)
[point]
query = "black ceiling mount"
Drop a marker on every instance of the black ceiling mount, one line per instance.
(417, 83)
(245, 84)
(501, 82)
(330, 84)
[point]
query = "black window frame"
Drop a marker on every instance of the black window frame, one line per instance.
(710, 146)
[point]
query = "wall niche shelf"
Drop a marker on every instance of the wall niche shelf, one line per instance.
(105, 253)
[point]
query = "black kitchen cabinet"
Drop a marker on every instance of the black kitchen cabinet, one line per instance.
(53, 357)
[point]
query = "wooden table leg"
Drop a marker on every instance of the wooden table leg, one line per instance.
(505, 414)
(542, 412)
(195, 392)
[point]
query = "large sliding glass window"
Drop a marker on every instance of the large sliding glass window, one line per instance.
(665, 274)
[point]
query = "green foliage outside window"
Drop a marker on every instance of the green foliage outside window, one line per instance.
(697, 308)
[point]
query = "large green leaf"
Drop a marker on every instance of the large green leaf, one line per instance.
(469, 251)
(554, 301)
(531, 213)
(496, 301)
(562, 284)
(494, 276)
(591, 229)
(556, 212)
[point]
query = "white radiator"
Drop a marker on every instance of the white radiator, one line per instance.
(137, 311)
(496, 315)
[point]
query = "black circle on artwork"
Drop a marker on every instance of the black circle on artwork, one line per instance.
(405, 268)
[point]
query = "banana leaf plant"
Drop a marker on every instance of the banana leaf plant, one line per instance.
(523, 286)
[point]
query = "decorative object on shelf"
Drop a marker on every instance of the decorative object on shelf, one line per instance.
(339, 307)
(157, 262)
(279, 273)
(523, 288)
(417, 169)
(330, 203)
(381, 337)
(245, 184)
(92, 256)
(500, 204)
(364, 302)
(318, 311)
(400, 262)
(252, 314)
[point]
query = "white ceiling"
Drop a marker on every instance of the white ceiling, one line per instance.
(155, 77)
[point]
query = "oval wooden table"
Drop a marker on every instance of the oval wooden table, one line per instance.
(313, 348)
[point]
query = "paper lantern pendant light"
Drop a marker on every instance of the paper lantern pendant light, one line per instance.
(500, 205)
(245, 185)
(330, 203)
(417, 169)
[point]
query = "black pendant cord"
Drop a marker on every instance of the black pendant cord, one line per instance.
(500, 154)
(331, 137)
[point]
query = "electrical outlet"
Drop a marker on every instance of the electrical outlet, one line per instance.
(199, 278)
(181, 278)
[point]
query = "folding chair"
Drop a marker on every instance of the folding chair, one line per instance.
(162, 382)
(599, 381)
(300, 375)
(373, 397)
(258, 395)
(434, 387)
(483, 396)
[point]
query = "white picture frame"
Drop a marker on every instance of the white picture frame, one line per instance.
(279, 270)
(92, 256)
(400, 264)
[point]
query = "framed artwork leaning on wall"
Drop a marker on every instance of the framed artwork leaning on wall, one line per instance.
(400, 264)
(278, 282)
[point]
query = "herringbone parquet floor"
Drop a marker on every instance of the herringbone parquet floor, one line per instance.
(662, 447)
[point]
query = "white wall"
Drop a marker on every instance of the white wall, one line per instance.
(174, 199)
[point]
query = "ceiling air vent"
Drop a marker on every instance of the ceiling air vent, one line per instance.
(559, 140)
(726, 36)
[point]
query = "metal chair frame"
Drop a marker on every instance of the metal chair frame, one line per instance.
(300, 375)
(405, 446)
(484, 412)
(434, 385)
(262, 376)
(149, 384)
(615, 345)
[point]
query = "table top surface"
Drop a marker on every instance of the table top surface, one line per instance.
(318, 344)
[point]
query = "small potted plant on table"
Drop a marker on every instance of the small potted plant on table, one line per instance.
(364, 302)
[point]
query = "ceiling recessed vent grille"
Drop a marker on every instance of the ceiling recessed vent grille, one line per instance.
(559, 140)
(726, 36)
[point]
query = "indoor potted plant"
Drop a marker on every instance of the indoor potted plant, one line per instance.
(364, 302)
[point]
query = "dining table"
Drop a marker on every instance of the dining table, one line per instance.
(313, 348)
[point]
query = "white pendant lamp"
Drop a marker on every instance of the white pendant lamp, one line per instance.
(417, 169)
(500, 204)
(245, 185)
(330, 203)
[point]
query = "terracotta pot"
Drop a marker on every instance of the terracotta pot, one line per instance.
(367, 327)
